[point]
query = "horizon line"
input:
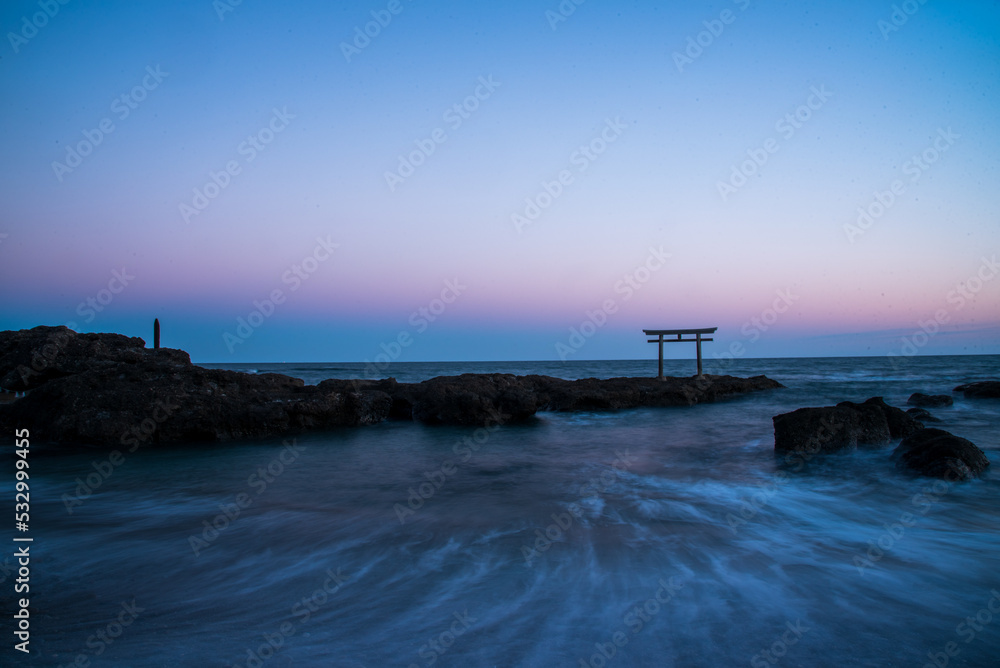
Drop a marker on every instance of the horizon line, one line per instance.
(623, 359)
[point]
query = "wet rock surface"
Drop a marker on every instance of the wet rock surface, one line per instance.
(107, 389)
(844, 426)
(922, 415)
(873, 423)
(483, 399)
(987, 389)
(929, 400)
(940, 454)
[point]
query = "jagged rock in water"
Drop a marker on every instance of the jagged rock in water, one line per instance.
(987, 389)
(938, 453)
(931, 400)
(844, 426)
(922, 414)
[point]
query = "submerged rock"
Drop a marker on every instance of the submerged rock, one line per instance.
(938, 453)
(922, 414)
(987, 389)
(108, 389)
(844, 426)
(932, 400)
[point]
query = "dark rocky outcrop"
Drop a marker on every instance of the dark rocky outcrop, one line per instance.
(922, 414)
(481, 399)
(844, 426)
(108, 389)
(929, 400)
(29, 358)
(900, 423)
(468, 399)
(588, 394)
(828, 429)
(938, 453)
(987, 389)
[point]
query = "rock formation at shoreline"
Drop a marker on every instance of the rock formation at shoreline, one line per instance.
(844, 426)
(480, 399)
(110, 390)
(807, 432)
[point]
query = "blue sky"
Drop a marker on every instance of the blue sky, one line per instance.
(249, 155)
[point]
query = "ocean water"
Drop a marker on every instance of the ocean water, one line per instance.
(648, 537)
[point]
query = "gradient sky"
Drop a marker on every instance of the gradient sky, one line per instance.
(928, 88)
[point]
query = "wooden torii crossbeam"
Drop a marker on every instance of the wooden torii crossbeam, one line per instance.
(679, 333)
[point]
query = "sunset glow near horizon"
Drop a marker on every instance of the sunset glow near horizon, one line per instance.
(504, 181)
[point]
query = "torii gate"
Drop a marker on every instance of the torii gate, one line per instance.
(660, 333)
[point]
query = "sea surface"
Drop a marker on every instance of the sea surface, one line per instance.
(647, 537)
